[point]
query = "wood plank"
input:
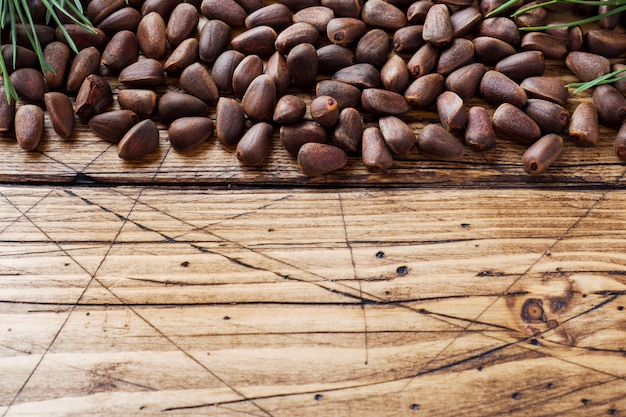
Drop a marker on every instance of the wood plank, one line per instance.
(149, 300)
(87, 159)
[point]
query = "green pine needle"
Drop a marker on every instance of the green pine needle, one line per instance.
(17, 11)
(510, 3)
(577, 22)
(609, 78)
(501, 8)
(621, 6)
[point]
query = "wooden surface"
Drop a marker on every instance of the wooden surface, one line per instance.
(85, 159)
(186, 284)
(159, 301)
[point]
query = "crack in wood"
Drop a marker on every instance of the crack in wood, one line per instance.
(91, 279)
(520, 276)
(65, 321)
(322, 279)
(127, 219)
(361, 301)
(354, 385)
(355, 277)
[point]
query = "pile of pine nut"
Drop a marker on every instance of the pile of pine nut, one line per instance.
(241, 65)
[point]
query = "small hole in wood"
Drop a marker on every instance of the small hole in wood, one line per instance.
(402, 270)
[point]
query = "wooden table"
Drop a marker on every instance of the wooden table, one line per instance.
(186, 284)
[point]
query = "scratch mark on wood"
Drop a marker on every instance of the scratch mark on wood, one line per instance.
(82, 294)
(565, 360)
(93, 161)
(361, 298)
(589, 348)
(102, 379)
(613, 296)
(196, 229)
(263, 207)
(65, 321)
(483, 236)
(322, 280)
(22, 213)
(565, 394)
(194, 245)
(79, 176)
(171, 341)
(354, 275)
(462, 319)
(524, 273)
(243, 397)
(354, 385)
(233, 410)
(411, 378)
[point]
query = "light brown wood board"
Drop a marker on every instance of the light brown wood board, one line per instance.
(186, 284)
(87, 159)
(161, 301)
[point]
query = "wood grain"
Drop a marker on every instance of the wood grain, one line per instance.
(186, 284)
(86, 159)
(161, 301)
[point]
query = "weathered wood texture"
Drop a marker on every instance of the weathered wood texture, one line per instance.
(123, 301)
(87, 159)
(185, 284)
